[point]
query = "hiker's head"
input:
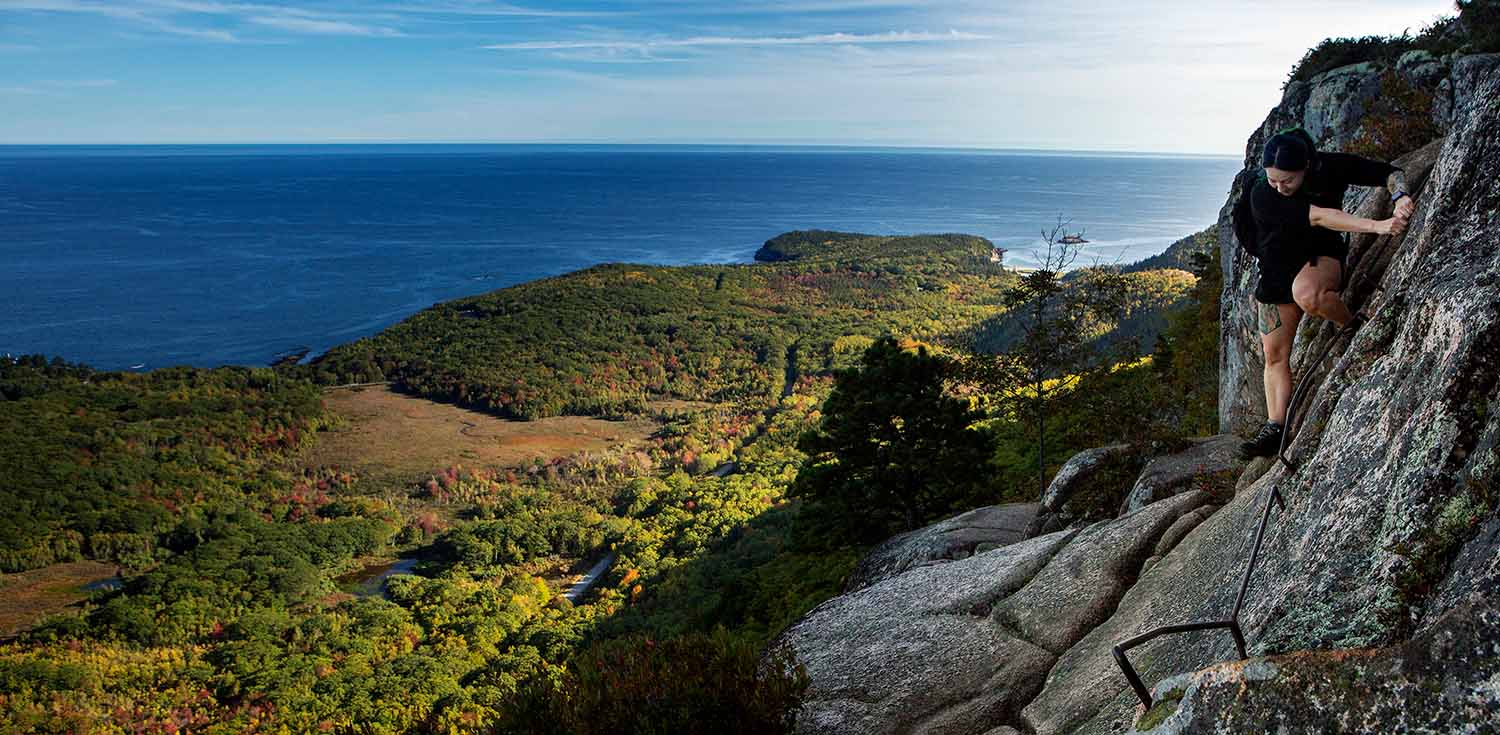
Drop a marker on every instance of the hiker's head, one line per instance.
(1286, 158)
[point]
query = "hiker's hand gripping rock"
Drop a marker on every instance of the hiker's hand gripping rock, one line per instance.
(1405, 207)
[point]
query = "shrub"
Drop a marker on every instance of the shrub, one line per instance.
(1476, 30)
(708, 683)
(1332, 53)
(1399, 121)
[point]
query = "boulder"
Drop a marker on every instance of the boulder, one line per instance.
(961, 646)
(1210, 462)
(1181, 527)
(1422, 69)
(1465, 81)
(916, 652)
(1080, 587)
(1337, 100)
(1088, 487)
(1082, 470)
(958, 537)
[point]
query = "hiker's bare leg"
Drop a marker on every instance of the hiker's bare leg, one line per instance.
(1278, 325)
(1316, 290)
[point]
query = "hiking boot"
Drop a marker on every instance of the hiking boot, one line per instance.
(1265, 444)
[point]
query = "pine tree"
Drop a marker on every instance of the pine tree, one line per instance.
(1030, 379)
(893, 451)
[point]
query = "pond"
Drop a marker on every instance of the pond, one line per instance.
(107, 583)
(370, 581)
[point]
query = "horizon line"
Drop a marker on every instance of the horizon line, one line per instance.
(642, 144)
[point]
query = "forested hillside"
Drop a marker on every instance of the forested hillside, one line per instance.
(1150, 296)
(1180, 255)
(604, 340)
(234, 610)
(1156, 286)
(99, 464)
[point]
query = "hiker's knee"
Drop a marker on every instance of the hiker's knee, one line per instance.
(1308, 295)
(1277, 352)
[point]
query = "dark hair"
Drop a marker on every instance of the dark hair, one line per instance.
(1291, 149)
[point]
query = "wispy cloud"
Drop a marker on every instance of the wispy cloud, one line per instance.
(481, 9)
(205, 34)
(145, 15)
(615, 56)
(69, 6)
(207, 19)
(78, 83)
(299, 24)
(805, 7)
(701, 41)
(1184, 74)
(57, 86)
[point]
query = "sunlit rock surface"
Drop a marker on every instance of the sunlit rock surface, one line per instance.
(958, 537)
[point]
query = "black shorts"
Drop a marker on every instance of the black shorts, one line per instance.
(1277, 271)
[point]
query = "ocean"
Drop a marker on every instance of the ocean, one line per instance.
(140, 257)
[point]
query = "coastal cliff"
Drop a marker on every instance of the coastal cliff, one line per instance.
(1377, 596)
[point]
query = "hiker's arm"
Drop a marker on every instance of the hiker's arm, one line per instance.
(1360, 171)
(1337, 219)
(1370, 172)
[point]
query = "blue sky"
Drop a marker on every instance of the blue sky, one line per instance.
(1159, 76)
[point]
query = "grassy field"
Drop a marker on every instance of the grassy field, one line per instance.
(27, 596)
(397, 439)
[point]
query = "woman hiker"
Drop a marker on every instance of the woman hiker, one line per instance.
(1298, 213)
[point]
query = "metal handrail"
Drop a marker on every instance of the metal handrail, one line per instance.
(1233, 622)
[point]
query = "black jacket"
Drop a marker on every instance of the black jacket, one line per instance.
(1281, 221)
(1285, 240)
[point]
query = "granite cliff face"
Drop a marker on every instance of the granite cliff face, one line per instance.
(1377, 598)
(1333, 108)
